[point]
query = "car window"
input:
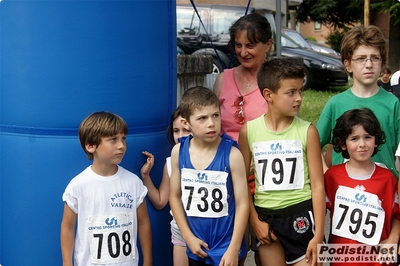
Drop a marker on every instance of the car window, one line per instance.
(187, 22)
(222, 20)
(286, 42)
(297, 38)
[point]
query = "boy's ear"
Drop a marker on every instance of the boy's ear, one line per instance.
(267, 94)
(347, 65)
(185, 123)
(90, 147)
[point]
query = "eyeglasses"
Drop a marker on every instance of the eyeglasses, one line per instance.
(239, 114)
(363, 60)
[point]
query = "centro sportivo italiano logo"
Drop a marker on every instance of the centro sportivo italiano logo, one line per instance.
(109, 223)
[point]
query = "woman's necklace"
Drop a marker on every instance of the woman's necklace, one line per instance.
(250, 83)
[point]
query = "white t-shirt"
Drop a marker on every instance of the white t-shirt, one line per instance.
(398, 151)
(107, 218)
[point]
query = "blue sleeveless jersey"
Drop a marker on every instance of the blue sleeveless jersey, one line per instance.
(216, 232)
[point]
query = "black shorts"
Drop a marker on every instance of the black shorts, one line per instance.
(293, 226)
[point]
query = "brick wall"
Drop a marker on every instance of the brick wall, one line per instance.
(382, 20)
(308, 30)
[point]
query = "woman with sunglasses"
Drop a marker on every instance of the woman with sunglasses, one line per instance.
(236, 88)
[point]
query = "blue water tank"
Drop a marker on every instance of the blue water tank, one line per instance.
(61, 61)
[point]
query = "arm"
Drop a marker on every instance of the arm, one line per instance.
(239, 180)
(67, 235)
(317, 192)
(260, 228)
(218, 84)
(397, 162)
(195, 244)
(144, 234)
(158, 197)
(328, 157)
(394, 235)
(324, 125)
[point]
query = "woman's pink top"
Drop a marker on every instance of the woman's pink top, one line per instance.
(254, 105)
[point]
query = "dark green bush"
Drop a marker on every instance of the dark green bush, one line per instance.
(334, 39)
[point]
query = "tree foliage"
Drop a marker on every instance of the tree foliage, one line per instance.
(391, 6)
(332, 13)
(335, 38)
(342, 13)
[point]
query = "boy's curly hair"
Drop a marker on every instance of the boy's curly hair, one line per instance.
(356, 117)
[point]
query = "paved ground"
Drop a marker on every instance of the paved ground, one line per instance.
(250, 255)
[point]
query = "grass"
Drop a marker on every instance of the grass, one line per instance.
(315, 100)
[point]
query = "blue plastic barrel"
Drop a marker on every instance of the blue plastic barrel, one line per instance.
(61, 61)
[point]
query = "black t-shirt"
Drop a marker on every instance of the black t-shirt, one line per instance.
(384, 85)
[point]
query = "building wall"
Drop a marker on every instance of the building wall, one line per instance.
(382, 20)
(308, 30)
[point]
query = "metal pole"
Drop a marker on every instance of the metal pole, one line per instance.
(278, 22)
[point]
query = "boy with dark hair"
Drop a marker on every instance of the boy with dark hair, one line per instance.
(361, 195)
(289, 198)
(207, 194)
(384, 81)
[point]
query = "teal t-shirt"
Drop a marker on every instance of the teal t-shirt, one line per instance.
(385, 106)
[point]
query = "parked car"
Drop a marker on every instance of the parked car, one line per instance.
(179, 50)
(322, 70)
(316, 46)
(192, 38)
(308, 44)
(296, 37)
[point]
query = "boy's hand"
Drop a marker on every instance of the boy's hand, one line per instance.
(263, 232)
(230, 258)
(197, 247)
(387, 258)
(311, 253)
(146, 168)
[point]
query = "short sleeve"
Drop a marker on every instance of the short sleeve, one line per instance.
(141, 192)
(69, 198)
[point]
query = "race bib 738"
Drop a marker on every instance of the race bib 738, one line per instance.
(204, 193)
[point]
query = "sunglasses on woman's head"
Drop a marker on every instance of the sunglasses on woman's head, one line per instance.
(239, 114)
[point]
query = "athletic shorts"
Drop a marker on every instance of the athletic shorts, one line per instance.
(293, 226)
(176, 235)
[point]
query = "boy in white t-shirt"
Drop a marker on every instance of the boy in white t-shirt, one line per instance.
(105, 202)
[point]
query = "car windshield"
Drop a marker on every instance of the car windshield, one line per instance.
(187, 22)
(294, 35)
(287, 42)
(222, 20)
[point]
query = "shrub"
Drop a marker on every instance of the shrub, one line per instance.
(334, 39)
